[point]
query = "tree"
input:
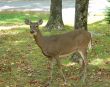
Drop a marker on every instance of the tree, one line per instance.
(55, 20)
(81, 15)
(81, 12)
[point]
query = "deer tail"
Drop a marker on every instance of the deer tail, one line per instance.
(90, 44)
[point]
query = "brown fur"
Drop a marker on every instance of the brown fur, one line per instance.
(62, 44)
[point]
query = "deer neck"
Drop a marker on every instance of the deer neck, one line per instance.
(39, 39)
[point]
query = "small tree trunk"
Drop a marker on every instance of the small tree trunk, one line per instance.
(55, 20)
(81, 13)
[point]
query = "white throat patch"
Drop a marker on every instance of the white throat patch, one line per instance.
(35, 33)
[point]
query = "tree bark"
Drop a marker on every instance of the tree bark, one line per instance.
(81, 13)
(55, 20)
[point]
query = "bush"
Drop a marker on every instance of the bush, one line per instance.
(108, 14)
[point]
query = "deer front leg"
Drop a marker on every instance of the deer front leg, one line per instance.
(60, 68)
(51, 63)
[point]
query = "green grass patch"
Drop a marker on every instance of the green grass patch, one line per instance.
(17, 18)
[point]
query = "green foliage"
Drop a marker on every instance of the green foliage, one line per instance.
(108, 14)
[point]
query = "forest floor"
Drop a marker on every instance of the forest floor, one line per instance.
(23, 65)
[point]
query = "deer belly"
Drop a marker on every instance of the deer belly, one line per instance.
(67, 51)
(65, 55)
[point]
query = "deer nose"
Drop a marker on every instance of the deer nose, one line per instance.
(31, 31)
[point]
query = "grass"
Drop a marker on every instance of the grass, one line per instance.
(23, 65)
(8, 18)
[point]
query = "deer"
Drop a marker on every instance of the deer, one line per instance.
(56, 46)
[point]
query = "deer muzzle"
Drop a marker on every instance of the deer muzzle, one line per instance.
(31, 31)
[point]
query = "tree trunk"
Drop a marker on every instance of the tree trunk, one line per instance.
(81, 13)
(55, 20)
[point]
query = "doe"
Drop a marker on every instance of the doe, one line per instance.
(56, 46)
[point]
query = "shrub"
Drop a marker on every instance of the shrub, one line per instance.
(108, 14)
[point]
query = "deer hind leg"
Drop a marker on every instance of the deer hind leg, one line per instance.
(60, 68)
(83, 54)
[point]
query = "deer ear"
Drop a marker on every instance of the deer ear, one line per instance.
(40, 22)
(27, 21)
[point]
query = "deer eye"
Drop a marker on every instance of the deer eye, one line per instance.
(36, 25)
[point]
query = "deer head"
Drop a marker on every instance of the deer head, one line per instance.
(34, 26)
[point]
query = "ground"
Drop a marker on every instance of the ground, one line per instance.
(23, 64)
